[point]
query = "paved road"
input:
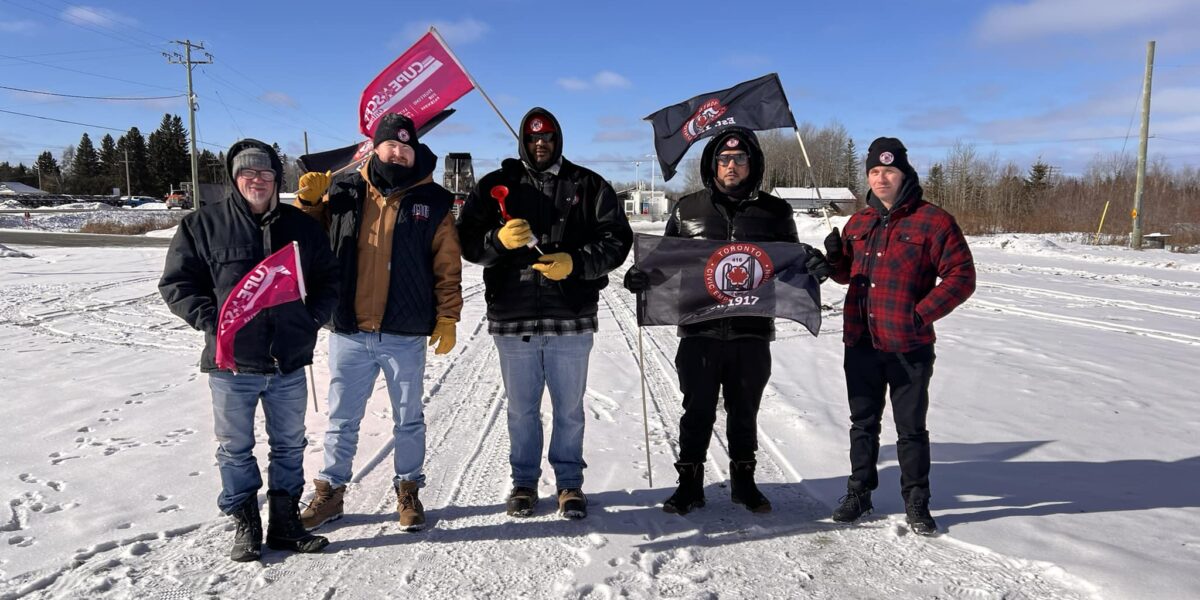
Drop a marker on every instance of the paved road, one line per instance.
(42, 238)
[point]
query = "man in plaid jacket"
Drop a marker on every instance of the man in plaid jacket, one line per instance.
(892, 255)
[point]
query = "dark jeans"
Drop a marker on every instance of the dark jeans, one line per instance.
(707, 367)
(869, 373)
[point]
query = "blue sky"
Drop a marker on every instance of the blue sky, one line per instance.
(1059, 79)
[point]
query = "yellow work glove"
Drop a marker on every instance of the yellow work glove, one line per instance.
(312, 187)
(515, 234)
(443, 335)
(555, 266)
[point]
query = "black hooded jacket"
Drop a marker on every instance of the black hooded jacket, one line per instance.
(712, 215)
(217, 245)
(575, 211)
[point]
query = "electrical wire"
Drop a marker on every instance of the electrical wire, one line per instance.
(5, 87)
(13, 112)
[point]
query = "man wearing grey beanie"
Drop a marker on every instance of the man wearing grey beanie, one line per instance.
(213, 249)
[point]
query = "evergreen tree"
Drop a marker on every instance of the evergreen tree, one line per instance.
(853, 172)
(85, 168)
(168, 162)
(935, 183)
(291, 172)
(1039, 177)
(212, 169)
(139, 175)
(47, 169)
(112, 170)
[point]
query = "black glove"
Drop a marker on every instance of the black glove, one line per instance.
(817, 265)
(833, 246)
(636, 280)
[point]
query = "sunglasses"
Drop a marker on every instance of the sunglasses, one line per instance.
(541, 137)
(740, 159)
(266, 175)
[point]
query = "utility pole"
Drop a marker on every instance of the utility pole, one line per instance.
(1135, 236)
(186, 59)
(128, 186)
(306, 142)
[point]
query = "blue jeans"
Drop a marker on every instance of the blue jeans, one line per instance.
(355, 360)
(559, 362)
(284, 401)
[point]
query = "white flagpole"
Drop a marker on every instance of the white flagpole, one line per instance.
(811, 177)
(304, 294)
(645, 413)
(441, 41)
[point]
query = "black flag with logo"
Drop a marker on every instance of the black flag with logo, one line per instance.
(699, 280)
(756, 104)
(332, 160)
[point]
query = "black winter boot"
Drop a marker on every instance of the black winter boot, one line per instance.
(284, 529)
(690, 493)
(247, 539)
(852, 506)
(916, 513)
(743, 489)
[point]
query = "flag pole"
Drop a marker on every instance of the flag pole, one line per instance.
(441, 41)
(645, 413)
(304, 293)
(811, 177)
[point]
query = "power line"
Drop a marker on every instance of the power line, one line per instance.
(5, 87)
(13, 112)
(109, 34)
(42, 64)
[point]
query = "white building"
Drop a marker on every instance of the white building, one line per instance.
(806, 200)
(645, 204)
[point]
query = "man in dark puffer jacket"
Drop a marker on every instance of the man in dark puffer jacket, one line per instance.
(732, 354)
(547, 246)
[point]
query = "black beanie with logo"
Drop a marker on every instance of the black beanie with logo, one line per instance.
(888, 152)
(395, 126)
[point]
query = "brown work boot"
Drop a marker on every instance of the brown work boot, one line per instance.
(325, 506)
(412, 514)
(572, 504)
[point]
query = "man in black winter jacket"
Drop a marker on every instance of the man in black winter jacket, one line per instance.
(547, 232)
(730, 355)
(213, 249)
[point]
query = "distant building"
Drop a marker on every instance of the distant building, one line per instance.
(644, 204)
(806, 200)
(12, 188)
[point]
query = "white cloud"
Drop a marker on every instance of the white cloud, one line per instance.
(1043, 18)
(100, 17)
(278, 99)
(604, 80)
(459, 32)
(609, 79)
(572, 84)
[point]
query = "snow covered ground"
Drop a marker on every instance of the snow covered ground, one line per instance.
(1064, 430)
(71, 217)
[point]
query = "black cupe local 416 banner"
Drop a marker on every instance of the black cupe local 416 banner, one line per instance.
(757, 104)
(699, 280)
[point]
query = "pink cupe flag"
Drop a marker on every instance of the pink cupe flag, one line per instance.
(276, 280)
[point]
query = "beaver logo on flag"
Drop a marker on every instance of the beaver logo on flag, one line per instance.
(703, 119)
(736, 270)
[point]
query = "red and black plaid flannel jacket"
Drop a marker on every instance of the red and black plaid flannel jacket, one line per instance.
(892, 264)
